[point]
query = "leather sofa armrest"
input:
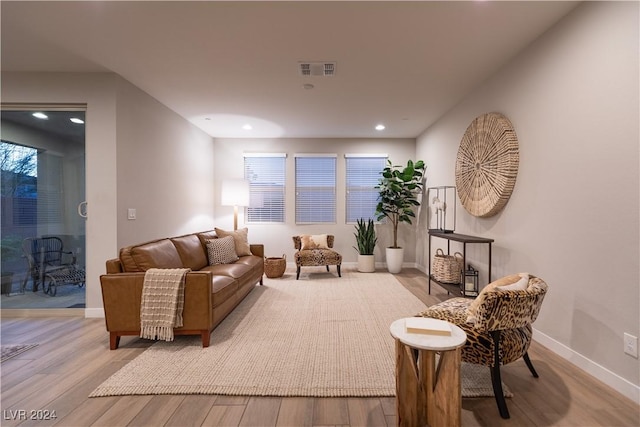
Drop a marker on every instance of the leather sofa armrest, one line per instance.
(257, 250)
(114, 266)
(122, 296)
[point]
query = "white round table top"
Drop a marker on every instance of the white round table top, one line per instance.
(428, 341)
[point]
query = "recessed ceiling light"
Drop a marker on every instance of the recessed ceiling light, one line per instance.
(247, 126)
(40, 116)
(76, 120)
(380, 127)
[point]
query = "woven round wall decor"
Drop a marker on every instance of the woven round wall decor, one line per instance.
(487, 165)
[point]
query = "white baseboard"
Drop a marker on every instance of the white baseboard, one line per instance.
(40, 312)
(601, 373)
(404, 265)
(94, 313)
(378, 264)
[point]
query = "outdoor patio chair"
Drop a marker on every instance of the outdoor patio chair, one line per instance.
(49, 265)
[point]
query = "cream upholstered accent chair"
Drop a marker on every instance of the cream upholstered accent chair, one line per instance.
(315, 250)
(497, 323)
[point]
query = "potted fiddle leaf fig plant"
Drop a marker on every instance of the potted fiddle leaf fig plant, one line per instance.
(398, 192)
(366, 240)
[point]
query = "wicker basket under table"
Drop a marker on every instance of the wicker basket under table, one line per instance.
(447, 268)
(275, 266)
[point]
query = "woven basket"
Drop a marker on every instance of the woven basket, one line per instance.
(275, 266)
(447, 268)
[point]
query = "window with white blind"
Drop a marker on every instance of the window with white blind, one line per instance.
(315, 188)
(362, 176)
(266, 175)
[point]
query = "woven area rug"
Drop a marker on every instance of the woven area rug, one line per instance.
(9, 351)
(476, 381)
(320, 336)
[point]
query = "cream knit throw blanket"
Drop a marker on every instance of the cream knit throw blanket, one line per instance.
(162, 302)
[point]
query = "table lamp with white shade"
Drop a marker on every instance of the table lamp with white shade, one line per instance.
(235, 192)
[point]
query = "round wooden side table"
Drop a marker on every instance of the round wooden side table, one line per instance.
(428, 389)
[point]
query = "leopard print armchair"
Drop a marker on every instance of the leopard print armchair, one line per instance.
(316, 256)
(501, 331)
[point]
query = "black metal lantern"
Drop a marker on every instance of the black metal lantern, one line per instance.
(470, 282)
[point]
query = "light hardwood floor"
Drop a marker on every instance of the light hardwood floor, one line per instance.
(73, 358)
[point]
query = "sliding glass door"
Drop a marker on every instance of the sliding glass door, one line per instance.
(42, 155)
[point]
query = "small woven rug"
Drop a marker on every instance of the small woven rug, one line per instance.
(9, 351)
(321, 336)
(476, 381)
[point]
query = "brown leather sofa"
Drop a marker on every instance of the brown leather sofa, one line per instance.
(211, 292)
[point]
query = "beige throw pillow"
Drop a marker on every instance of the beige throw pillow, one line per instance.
(221, 251)
(240, 238)
(513, 282)
(314, 241)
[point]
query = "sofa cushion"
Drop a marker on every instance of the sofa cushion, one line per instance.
(255, 263)
(206, 235)
(157, 254)
(128, 264)
(222, 288)
(240, 238)
(251, 260)
(191, 251)
(234, 270)
(221, 251)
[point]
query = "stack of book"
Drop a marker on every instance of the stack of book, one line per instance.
(427, 326)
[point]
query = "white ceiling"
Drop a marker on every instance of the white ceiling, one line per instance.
(225, 64)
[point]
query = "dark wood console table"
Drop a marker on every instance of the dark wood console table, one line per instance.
(456, 288)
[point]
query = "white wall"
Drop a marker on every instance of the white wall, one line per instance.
(229, 163)
(165, 170)
(573, 218)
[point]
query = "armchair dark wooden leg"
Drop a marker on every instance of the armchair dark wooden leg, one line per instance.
(339, 275)
(530, 365)
(327, 268)
(496, 380)
(298, 273)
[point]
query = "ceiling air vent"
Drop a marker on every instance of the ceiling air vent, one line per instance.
(326, 69)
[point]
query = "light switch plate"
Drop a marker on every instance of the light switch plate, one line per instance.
(131, 213)
(631, 345)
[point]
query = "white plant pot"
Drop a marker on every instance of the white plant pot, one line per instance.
(395, 257)
(366, 263)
